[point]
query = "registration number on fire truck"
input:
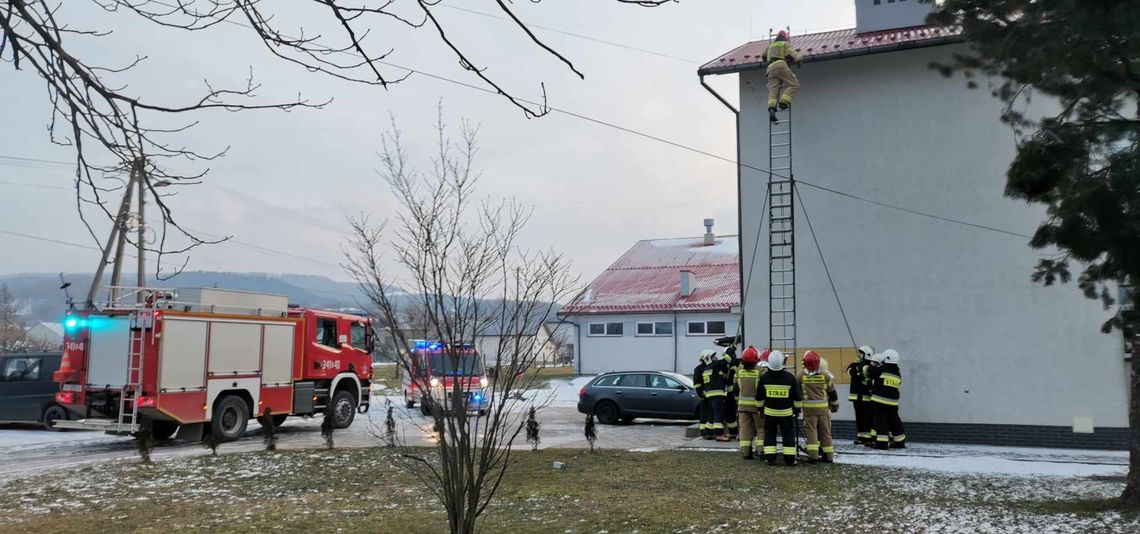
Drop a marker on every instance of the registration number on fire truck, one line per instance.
(328, 364)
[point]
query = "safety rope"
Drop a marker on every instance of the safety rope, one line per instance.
(826, 270)
(751, 265)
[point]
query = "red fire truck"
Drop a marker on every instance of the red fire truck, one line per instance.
(207, 360)
(438, 367)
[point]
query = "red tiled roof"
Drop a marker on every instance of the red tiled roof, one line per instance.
(835, 44)
(647, 278)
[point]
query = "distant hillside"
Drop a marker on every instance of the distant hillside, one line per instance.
(40, 298)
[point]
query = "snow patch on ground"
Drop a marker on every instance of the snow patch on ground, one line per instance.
(985, 464)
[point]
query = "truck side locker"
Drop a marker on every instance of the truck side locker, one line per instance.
(303, 397)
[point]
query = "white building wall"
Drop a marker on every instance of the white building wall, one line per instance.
(631, 352)
(980, 342)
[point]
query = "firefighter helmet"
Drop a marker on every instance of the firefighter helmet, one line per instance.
(782, 35)
(707, 355)
(776, 361)
(878, 358)
(811, 361)
(750, 355)
(891, 356)
(865, 352)
(764, 357)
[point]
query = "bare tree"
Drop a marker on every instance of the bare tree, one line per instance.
(115, 131)
(463, 264)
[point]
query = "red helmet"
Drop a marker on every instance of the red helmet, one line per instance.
(782, 35)
(750, 355)
(764, 355)
(811, 361)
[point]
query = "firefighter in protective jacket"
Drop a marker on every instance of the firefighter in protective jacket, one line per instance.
(748, 414)
(820, 401)
(885, 391)
(860, 396)
(779, 394)
(731, 425)
(703, 410)
(780, 75)
(715, 381)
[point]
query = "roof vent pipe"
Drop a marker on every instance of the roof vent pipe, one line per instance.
(710, 239)
(686, 283)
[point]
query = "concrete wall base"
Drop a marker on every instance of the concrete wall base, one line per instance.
(1002, 435)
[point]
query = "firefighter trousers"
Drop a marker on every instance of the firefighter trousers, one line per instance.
(717, 408)
(863, 418)
(817, 426)
(751, 430)
(786, 427)
(780, 76)
(704, 414)
(888, 426)
(731, 426)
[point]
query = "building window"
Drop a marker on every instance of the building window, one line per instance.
(660, 328)
(706, 328)
(605, 329)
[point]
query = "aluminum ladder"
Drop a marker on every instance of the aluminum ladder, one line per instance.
(781, 239)
(140, 322)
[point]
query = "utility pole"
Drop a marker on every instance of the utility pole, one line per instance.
(141, 282)
(117, 228)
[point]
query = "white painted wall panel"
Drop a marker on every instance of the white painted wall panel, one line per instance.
(631, 352)
(183, 362)
(980, 342)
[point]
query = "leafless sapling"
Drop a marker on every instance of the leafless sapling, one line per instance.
(268, 430)
(473, 286)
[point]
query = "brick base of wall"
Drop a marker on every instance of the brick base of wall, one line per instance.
(1003, 435)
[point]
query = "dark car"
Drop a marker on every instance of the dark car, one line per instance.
(27, 392)
(624, 396)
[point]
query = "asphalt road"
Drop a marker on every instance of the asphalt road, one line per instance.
(26, 450)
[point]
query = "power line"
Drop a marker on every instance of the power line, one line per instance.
(578, 35)
(640, 134)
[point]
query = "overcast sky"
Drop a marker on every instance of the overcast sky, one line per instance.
(289, 179)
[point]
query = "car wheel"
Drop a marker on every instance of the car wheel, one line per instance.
(51, 415)
(231, 416)
(627, 420)
(161, 430)
(344, 409)
(607, 413)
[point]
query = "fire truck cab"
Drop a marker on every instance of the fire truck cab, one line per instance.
(438, 367)
(208, 360)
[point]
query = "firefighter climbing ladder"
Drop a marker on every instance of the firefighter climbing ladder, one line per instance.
(781, 238)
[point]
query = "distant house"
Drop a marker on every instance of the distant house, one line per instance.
(46, 334)
(534, 339)
(659, 305)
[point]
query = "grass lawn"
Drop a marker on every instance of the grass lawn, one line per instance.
(365, 490)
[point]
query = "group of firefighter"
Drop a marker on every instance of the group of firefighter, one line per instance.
(752, 398)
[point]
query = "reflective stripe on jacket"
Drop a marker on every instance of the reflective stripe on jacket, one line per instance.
(746, 382)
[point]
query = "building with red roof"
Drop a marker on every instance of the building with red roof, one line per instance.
(658, 305)
(901, 172)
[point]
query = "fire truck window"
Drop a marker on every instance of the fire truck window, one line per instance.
(359, 336)
(326, 332)
(21, 369)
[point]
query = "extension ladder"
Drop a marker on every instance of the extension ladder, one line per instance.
(781, 239)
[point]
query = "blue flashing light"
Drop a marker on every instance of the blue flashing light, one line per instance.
(478, 398)
(71, 322)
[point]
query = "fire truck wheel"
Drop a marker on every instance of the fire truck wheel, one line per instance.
(231, 415)
(344, 409)
(163, 429)
(279, 420)
(409, 403)
(51, 415)
(425, 409)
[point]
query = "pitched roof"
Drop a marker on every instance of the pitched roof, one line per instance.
(834, 45)
(647, 278)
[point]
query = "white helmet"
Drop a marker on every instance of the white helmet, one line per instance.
(891, 356)
(879, 358)
(776, 361)
(707, 355)
(865, 352)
